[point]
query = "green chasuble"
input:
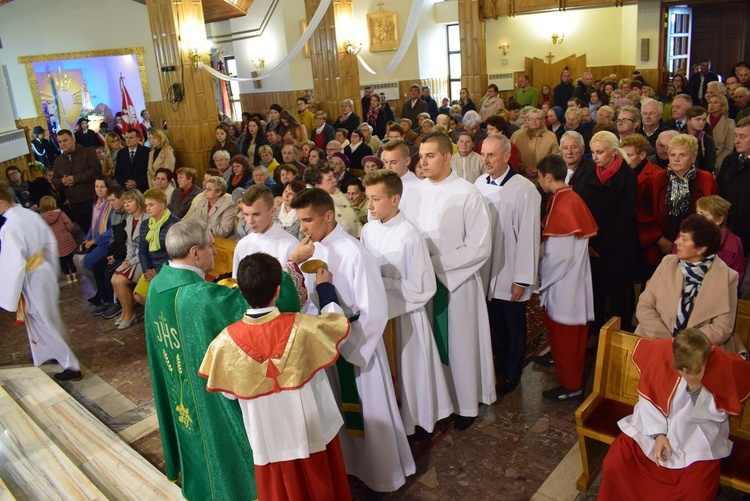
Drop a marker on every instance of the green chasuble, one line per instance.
(203, 435)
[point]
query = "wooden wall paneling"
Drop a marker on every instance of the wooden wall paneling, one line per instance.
(192, 121)
(335, 72)
(732, 21)
(260, 102)
(473, 48)
(569, 4)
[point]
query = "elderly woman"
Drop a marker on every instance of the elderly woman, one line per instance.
(186, 191)
(610, 191)
(129, 272)
(716, 209)
(161, 154)
(152, 252)
(723, 128)
(261, 176)
(241, 172)
(215, 209)
(357, 149)
(348, 119)
(692, 289)
(285, 216)
(223, 142)
(340, 165)
(696, 121)
(221, 159)
(669, 197)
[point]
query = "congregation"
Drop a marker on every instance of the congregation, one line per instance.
(605, 197)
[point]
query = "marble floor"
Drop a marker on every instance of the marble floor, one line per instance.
(519, 448)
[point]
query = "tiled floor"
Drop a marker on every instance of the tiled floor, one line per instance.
(511, 452)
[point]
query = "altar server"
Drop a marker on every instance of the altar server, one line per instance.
(511, 271)
(565, 267)
(455, 222)
(30, 265)
(396, 157)
(672, 445)
(409, 278)
(373, 440)
(274, 364)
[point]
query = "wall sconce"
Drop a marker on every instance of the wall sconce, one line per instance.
(193, 55)
(258, 63)
(504, 46)
(196, 53)
(352, 48)
(557, 39)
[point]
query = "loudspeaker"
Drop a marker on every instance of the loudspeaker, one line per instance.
(644, 49)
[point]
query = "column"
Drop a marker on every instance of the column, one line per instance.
(473, 49)
(178, 29)
(335, 72)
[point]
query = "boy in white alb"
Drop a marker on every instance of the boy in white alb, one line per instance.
(266, 236)
(274, 364)
(409, 280)
(373, 440)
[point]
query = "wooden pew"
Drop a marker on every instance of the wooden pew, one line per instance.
(616, 392)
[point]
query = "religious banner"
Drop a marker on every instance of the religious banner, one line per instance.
(382, 27)
(129, 115)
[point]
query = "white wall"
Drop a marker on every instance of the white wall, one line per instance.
(606, 35)
(649, 26)
(32, 27)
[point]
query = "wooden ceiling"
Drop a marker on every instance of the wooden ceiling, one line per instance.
(219, 10)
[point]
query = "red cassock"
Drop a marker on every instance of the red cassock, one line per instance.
(627, 473)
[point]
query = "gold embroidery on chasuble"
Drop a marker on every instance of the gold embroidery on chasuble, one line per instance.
(173, 362)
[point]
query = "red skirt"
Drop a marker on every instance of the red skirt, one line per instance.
(321, 476)
(627, 474)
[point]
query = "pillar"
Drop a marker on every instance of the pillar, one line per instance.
(335, 71)
(471, 30)
(178, 28)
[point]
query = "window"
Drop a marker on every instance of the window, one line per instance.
(680, 24)
(234, 87)
(454, 61)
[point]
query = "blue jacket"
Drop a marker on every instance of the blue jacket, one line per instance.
(155, 259)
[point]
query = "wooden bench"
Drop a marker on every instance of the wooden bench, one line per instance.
(615, 393)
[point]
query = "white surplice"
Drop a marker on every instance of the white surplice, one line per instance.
(514, 209)
(696, 431)
(409, 280)
(275, 242)
(382, 459)
(409, 181)
(455, 222)
(24, 234)
(566, 267)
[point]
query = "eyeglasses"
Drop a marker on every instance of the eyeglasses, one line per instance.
(624, 120)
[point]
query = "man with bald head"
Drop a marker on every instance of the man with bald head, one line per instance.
(742, 102)
(661, 157)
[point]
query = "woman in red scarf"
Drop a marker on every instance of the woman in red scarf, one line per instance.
(610, 192)
(376, 116)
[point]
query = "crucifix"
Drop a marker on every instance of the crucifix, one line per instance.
(549, 57)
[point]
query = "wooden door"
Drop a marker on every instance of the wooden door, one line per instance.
(720, 33)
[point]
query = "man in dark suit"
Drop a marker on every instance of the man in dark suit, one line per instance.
(734, 183)
(698, 82)
(680, 104)
(414, 106)
(132, 163)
